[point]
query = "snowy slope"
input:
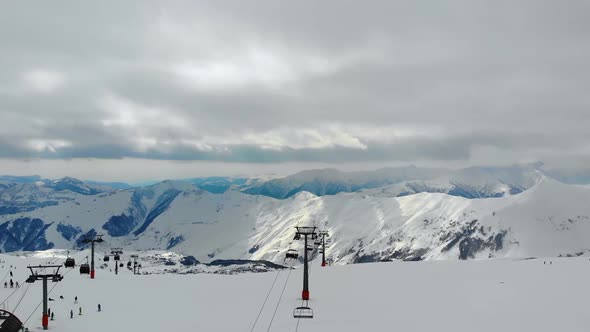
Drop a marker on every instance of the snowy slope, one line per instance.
(490, 296)
(550, 219)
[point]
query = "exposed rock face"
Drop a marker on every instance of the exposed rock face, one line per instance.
(24, 234)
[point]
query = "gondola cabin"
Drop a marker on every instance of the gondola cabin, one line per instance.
(84, 269)
(70, 262)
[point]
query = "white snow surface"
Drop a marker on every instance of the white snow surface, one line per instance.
(482, 295)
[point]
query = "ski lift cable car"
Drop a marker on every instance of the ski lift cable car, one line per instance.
(70, 262)
(85, 268)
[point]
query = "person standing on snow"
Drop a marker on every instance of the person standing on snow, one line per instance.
(80, 311)
(76, 300)
(99, 307)
(71, 314)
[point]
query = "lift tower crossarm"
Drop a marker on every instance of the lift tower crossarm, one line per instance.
(37, 275)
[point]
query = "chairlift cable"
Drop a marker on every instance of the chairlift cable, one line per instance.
(279, 302)
(266, 299)
(6, 275)
(22, 297)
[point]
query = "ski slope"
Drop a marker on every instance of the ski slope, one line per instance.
(488, 295)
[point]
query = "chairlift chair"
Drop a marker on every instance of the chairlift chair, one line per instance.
(291, 254)
(70, 262)
(117, 257)
(303, 312)
(121, 264)
(318, 242)
(84, 268)
(106, 258)
(309, 247)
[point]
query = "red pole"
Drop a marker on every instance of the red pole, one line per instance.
(45, 321)
(92, 274)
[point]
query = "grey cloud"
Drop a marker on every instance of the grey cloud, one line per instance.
(506, 75)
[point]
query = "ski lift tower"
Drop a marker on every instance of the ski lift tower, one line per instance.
(116, 252)
(323, 235)
(136, 266)
(304, 233)
(55, 277)
(92, 239)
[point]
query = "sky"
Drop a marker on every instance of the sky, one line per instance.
(137, 90)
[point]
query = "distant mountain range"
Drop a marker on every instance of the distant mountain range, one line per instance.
(396, 213)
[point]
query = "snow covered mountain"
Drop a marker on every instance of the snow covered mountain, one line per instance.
(473, 182)
(548, 219)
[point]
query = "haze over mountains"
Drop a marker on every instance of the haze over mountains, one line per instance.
(407, 213)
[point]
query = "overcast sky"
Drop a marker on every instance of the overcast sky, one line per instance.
(122, 90)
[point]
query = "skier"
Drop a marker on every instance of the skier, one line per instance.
(76, 299)
(80, 313)
(99, 308)
(11, 283)
(49, 312)
(52, 316)
(17, 285)
(11, 273)
(71, 314)
(6, 284)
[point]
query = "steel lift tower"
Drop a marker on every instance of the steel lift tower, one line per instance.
(116, 252)
(36, 275)
(323, 235)
(304, 233)
(92, 239)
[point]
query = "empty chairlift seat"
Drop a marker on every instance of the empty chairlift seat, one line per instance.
(84, 269)
(291, 254)
(303, 312)
(70, 262)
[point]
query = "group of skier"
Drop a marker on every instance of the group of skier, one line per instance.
(12, 284)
